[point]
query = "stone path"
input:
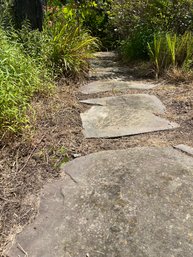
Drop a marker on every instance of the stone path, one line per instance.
(117, 121)
(134, 101)
(114, 85)
(122, 115)
(135, 202)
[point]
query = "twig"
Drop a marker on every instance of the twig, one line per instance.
(32, 152)
(22, 250)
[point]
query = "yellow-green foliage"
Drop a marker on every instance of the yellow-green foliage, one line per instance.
(71, 45)
(19, 79)
(169, 49)
(28, 59)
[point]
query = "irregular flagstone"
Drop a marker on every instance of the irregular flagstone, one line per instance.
(108, 70)
(96, 63)
(100, 74)
(115, 85)
(126, 203)
(117, 121)
(185, 148)
(133, 101)
(104, 55)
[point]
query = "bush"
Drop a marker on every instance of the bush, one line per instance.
(135, 46)
(20, 78)
(171, 50)
(138, 21)
(29, 59)
(33, 43)
(71, 45)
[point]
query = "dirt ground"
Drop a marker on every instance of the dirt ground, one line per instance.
(28, 161)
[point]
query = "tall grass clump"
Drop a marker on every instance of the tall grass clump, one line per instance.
(71, 45)
(20, 78)
(169, 50)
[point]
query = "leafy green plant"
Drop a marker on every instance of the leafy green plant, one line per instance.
(71, 46)
(169, 50)
(20, 78)
(171, 43)
(137, 22)
(184, 52)
(154, 52)
(135, 46)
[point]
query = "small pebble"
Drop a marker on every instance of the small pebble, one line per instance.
(76, 155)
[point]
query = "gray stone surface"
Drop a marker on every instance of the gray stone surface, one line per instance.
(115, 85)
(108, 71)
(103, 55)
(133, 101)
(185, 148)
(130, 203)
(116, 121)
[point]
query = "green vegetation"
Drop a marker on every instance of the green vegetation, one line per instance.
(171, 50)
(30, 60)
(71, 45)
(20, 78)
(159, 31)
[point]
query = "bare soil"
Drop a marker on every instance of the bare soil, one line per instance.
(30, 160)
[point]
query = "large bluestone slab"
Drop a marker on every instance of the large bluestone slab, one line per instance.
(117, 121)
(133, 101)
(126, 203)
(115, 85)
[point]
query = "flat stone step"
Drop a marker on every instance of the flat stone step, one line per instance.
(118, 121)
(109, 71)
(96, 63)
(133, 101)
(185, 148)
(115, 85)
(104, 55)
(127, 203)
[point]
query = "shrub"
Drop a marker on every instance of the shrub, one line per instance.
(20, 78)
(171, 50)
(71, 45)
(135, 46)
(138, 21)
(29, 58)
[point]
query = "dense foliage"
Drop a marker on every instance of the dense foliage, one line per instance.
(146, 27)
(19, 80)
(30, 60)
(155, 30)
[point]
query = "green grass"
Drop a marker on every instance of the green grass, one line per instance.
(31, 60)
(169, 50)
(20, 78)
